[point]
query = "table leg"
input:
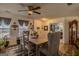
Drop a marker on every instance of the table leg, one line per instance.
(37, 50)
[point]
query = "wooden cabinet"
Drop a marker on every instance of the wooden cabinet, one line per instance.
(73, 26)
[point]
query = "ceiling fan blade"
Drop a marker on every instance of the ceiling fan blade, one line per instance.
(36, 12)
(22, 10)
(36, 8)
(30, 7)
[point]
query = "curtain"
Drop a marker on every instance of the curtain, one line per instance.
(26, 23)
(7, 21)
(20, 22)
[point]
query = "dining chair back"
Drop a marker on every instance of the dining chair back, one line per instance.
(53, 43)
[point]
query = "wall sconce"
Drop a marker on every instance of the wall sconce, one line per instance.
(14, 26)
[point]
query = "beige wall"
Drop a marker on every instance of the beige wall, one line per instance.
(41, 23)
(63, 20)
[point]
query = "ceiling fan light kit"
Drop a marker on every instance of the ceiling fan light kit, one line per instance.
(31, 10)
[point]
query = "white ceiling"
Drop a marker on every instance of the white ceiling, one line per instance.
(47, 10)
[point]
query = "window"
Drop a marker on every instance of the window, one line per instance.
(4, 27)
(23, 26)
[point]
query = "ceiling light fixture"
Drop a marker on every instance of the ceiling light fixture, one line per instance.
(44, 19)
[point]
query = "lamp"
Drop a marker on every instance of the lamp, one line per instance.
(14, 26)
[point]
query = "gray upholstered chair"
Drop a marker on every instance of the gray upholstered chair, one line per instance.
(53, 44)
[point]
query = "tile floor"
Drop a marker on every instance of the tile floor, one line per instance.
(64, 49)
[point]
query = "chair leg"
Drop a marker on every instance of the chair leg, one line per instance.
(28, 53)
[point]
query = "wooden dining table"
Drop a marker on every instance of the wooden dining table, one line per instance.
(37, 43)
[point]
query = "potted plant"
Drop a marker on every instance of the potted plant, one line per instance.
(2, 43)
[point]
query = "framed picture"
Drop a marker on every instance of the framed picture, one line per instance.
(45, 28)
(38, 28)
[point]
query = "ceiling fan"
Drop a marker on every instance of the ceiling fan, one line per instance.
(31, 10)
